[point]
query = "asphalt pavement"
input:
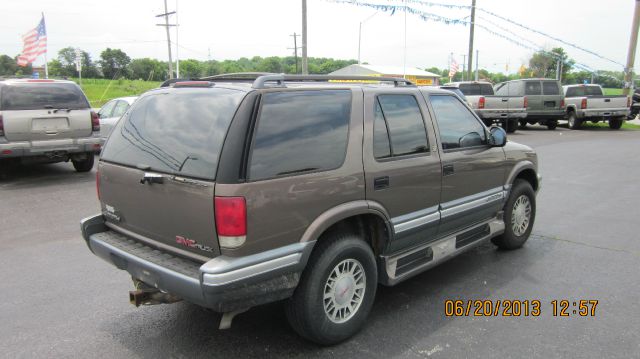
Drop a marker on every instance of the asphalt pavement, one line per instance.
(58, 300)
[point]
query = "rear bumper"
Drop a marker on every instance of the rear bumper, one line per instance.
(585, 114)
(59, 147)
(222, 284)
(501, 115)
(546, 115)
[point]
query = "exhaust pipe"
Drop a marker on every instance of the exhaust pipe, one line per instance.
(151, 297)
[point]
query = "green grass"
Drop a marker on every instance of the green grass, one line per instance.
(99, 91)
(612, 91)
(626, 125)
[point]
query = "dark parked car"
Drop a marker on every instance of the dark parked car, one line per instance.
(235, 193)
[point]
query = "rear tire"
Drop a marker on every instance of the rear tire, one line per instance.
(574, 121)
(523, 124)
(336, 291)
(615, 123)
(84, 165)
(519, 215)
(552, 124)
(512, 126)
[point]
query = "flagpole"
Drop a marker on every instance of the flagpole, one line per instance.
(46, 63)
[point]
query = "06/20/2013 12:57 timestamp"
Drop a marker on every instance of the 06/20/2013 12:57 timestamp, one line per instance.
(519, 308)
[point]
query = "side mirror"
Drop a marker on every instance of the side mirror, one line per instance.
(497, 136)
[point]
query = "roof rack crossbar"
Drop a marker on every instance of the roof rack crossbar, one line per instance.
(261, 81)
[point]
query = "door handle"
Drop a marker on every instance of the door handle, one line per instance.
(380, 183)
(447, 170)
(152, 178)
(505, 99)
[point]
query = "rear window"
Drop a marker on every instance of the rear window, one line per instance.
(299, 132)
(476, 89)
(584, 91)
(175, 131)
(532, 88)
(35, 96)
(550, 88)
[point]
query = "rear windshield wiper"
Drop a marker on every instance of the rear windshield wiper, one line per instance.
(297, 171)
(62, 109)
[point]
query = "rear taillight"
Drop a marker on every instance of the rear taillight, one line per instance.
(481, 102)
(98, 183)
(562, 104)
(526, 102)
(628, 105)
(1, 126)
(95, 122)
(231, 221)
(583, 104)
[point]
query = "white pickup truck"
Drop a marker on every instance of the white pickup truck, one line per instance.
(505, 110)
(588, 103)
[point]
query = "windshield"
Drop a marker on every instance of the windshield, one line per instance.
(178, 131)
(35, 96)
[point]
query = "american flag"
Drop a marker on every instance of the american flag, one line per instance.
(35, 44)
(453, 68)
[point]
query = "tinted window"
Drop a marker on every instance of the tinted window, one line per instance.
(175, 131)
(550, 88)
(120, 109)
(503, 89)
(476, 89)
(381, 144)
(404, 121)
(33, 96)
(584, 91)
(458, 127)
(300, 131)
(107, 109)
(532, 88)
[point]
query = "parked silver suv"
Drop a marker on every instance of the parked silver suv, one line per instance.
(47, 121)
(230, 194)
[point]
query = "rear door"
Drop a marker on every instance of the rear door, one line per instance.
(44, 111)
(158, 169)
(402, 164)
(552, 95)
(533, 91)
(472, 171)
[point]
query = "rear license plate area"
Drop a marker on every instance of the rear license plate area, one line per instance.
(49, 124)
(549, 104)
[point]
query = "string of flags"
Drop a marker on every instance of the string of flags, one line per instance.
(427, 16)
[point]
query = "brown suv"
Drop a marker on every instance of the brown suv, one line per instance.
(230, 194)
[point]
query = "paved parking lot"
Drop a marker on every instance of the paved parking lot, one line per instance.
(58, 300)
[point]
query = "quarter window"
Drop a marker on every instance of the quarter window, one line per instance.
(457, 125)
(398, 127)
(120, 109)
(300, 131)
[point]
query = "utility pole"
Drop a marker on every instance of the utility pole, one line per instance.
(477, 52)
(631, 55)
(295, 49)
(305, 67)
(360, 34)
(167, 25)
(177, 44)
(473, 21)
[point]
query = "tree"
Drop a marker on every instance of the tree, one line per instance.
(544, 63)
(66, 64)
(8, 66)
(114, 63)
(270, 64)
(191, 68)
(147, 69)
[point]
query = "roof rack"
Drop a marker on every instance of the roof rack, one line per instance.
(237, 76)
(280, 79)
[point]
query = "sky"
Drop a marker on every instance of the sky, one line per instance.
(223, 29)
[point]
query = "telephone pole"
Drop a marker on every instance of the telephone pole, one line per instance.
(305, 67)
(167, 25)
(473, 21)
(295, 49)
(631, 55)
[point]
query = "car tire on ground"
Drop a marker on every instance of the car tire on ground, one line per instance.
(519, 215)
(512, 126)
(552, 124)
(573, 121)
(84, 165)
(523, 124)
(615, 123)
(336, 290)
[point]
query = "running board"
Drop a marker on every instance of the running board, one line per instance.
(397, 268)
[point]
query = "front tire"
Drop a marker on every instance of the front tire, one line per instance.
(519, 215)
(574, 121)
(336, 291)
(84, 165)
